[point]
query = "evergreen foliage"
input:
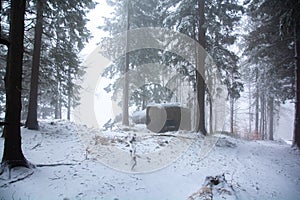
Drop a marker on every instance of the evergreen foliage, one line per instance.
(181, 16)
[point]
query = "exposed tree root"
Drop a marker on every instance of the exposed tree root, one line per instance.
(10, 164)
(55, 164)
(176, 136)
(18, 179)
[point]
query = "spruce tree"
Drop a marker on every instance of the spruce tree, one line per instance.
(64, 35)
(12, 154)
(131, 15)
(220, 20)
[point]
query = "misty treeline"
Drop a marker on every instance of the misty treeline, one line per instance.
(41, 41)
(269, 61)
(253, 44)
(190, 18)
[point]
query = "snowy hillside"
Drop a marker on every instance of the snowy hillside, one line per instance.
(247, 169)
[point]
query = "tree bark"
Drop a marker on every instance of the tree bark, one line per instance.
(201, 72)
(31, 122)
(296, 141)
(144, 99)
(271, 118)
(256, 105)
(69, 106)
(231, 114)
(12, 154)
(125, 115)
(262, 117)
(249, 113)
(211, 114)
(56, 109)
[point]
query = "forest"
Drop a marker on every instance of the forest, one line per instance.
(235, 69)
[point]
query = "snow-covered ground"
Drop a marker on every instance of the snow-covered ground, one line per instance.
(253, 169)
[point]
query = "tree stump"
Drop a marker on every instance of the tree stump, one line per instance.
(162, 118)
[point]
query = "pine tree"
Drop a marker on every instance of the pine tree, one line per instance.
(185, 19)
(64, 35)
(200, 75)
(31, 122)
(289, 23)
(130, 15)
(296, 140)
(220, 20)
(125, 105)
(12, 154)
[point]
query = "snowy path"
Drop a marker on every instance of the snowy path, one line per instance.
(256, 169)
(275, 168)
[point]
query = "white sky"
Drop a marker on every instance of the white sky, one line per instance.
(96, 19)
(103, 103)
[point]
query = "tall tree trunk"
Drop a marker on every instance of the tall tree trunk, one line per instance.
(210, 114)
(256, 104)
(271, 118)
(296, 141)
(262, 117)
(231, 114)
(249, 113)
(69, 94)
(56, 109)
(201, 72)
(144, 99)
(31, 122)
(125, 115)
(69, 107)
(60, 107)
(12, 154)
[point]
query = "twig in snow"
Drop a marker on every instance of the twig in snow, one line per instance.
(131, 143)
(137, 189)
(37, 145)
(134, 162)
(87, 152)
(110, 185)
(215, 186)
